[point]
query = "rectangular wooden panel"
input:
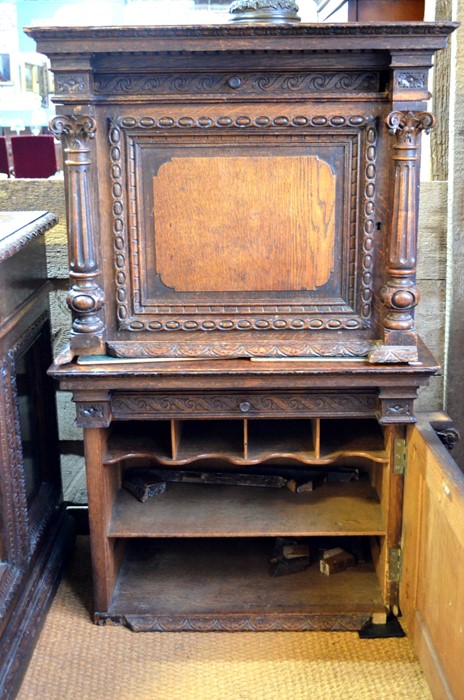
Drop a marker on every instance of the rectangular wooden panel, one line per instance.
(244, 223)
(433, 573)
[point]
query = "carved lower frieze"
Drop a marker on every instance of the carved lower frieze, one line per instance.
(244, 121)
(382, 353)
(238, 623)
(190, 322)
(221, 349)
(150, 405)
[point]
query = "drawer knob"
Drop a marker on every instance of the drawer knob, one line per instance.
(245, 406)
(234, 82)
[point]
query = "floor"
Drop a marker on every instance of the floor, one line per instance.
(77, 660)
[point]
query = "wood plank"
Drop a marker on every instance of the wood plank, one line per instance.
(206, 510)
(433, 575)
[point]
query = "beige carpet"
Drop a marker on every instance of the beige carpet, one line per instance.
(76, 660)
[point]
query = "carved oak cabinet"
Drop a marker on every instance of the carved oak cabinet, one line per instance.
(242, 208)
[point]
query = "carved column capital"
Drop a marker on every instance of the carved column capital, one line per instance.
(407, 126)
(74, 130)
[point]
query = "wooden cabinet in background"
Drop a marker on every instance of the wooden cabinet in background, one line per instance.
(34, 530)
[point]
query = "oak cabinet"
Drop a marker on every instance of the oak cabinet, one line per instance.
(242, 211)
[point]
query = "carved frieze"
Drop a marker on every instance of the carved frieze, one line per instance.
(243, 121)
(137, 404)
(396, 410)
(240, 83)
(295, 348)
(239, 623)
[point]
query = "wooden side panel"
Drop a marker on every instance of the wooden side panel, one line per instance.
(432, 585)
(244, 223)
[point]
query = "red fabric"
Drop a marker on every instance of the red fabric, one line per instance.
(33, 156)
(4, 168)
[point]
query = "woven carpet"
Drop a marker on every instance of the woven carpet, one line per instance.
(76, 660)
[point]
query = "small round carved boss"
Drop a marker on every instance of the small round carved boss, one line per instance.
(83, 303)
(404, 299)
(234, 82)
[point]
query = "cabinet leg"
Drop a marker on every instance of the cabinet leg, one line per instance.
(102, 486)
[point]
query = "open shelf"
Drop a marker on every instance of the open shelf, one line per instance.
(214, 584)
(245, 442)
(206, 510)
(352, 438)
(282, 439)
(207, 440)
(139, 439)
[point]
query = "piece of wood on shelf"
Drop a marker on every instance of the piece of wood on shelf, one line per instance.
(143, 484)
(289, 557)
(335, 560)
(225, 478)
(306, 485)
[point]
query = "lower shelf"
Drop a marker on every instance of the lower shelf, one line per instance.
(225, 585)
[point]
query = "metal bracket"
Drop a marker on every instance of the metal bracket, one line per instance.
(399, 456)
(395, 560)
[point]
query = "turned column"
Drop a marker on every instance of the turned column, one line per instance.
(85, 298)
(400, 295)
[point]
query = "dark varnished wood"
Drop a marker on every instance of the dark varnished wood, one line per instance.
(34, 530)
(159, 271)
(243, 222)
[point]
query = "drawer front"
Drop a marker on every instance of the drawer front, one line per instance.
(150, 405)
